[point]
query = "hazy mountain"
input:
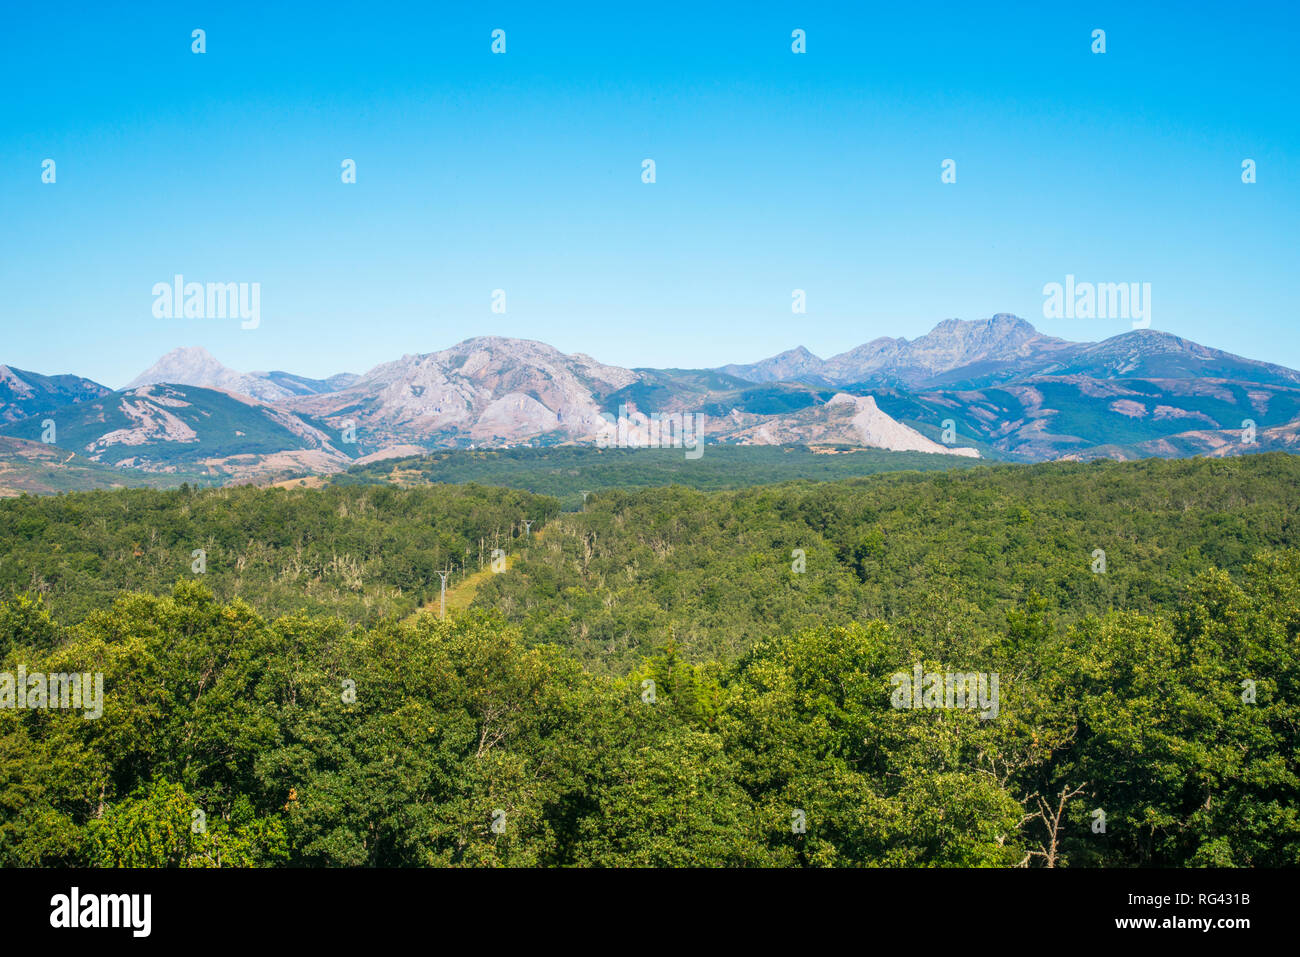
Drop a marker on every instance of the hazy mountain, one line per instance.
(979, 353)
(301, 385)
(1001, 344)
(957, 352)
(793, 365)
(24, 394)
(1150, 354)
(196, 366)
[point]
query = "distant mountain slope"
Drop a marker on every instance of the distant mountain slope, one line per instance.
(196, 366)
(487, 389)
(301, 385)
(677, 390)
(793, 365)
(1151, 354)
(1003, 344)
(1004, 348)
(1212, 443)
(1046, 417)
(35, 468)
(173, 427)
(24, 394)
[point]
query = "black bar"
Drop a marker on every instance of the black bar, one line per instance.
(339, 907)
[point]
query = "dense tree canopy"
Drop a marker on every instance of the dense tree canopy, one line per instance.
(357, 552)
(451, 742)
(652, 683)
(943, 558)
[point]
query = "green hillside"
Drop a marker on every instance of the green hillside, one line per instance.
(210, 423)
(34, 468)
(567, 471)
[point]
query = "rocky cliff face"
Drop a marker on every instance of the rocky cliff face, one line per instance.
(484, 389)
(843, 420)
(1003, 343)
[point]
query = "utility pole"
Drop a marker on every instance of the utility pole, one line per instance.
(442, 598)
(528, 527)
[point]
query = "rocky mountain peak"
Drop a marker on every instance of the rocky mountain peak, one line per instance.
(194, 365)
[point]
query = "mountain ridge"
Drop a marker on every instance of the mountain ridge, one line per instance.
(994, 386)
(195, 366)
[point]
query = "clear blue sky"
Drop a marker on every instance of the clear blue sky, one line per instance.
(523, 172)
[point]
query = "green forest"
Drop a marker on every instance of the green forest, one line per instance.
(359, 553)
(662, 676)
(567, 471)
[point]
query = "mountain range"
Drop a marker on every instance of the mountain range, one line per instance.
(995, 388)
(958, 354)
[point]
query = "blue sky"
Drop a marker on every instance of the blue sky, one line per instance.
(522, 172)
